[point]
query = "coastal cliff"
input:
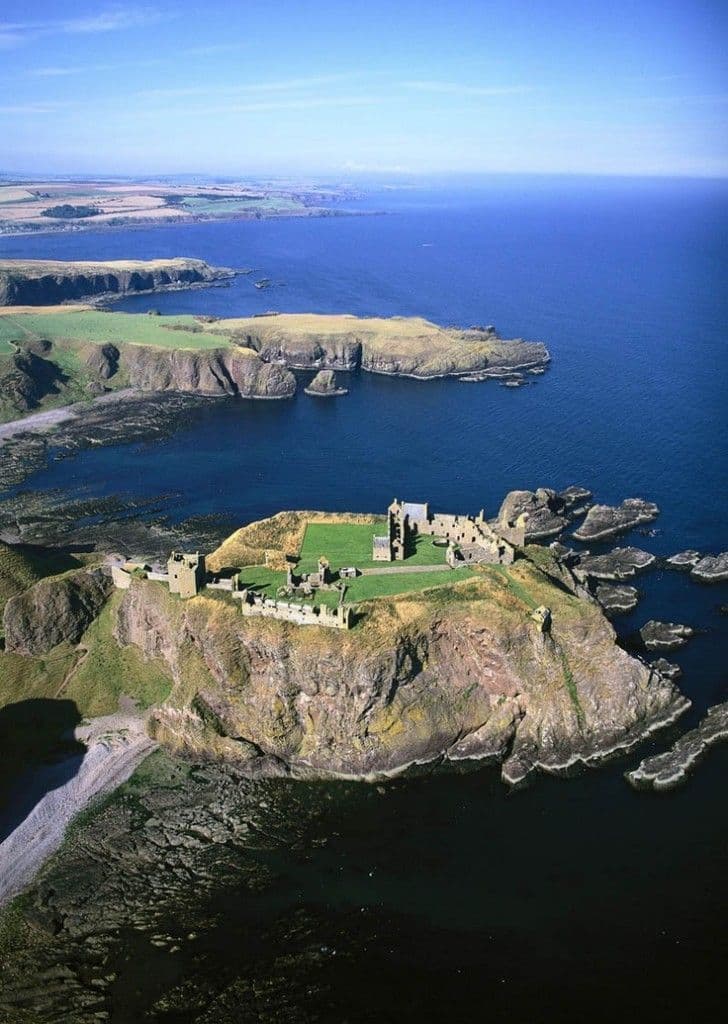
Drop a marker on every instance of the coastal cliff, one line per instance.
(48, 282)
(401, 346)
(455, 672)
(213, 372)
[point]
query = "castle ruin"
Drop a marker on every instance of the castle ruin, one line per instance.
(470, 539)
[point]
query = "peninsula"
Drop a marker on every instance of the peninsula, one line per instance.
(33, 206)
(50, 282)
(344, 645)
(52, 356)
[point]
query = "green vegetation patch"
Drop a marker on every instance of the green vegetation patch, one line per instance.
(262, 580)
(116, 328)
(206, 205)
(106, 670)
(346, 544)
(367, 588)
(570, 684)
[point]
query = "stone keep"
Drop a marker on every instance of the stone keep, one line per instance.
(186, 573)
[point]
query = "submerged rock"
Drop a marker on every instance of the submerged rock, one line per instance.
(619, 564)
(664, 771)
(665, 636)
(324, 385)
(606, 520)
(711, 568)
(617, 599)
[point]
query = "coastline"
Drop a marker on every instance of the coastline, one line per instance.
(116, 745)
(40, 422)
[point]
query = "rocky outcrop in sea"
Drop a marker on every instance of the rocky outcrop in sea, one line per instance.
(667, 770)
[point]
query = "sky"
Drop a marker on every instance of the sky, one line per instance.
(344, 89)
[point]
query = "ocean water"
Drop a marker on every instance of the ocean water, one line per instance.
(579, 898)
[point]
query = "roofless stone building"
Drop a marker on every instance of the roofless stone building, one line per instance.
(469, 539)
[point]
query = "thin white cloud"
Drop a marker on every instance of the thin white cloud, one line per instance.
(36, 107)
(112, 18)
(51, 72)
(463, 89)
(283, 85)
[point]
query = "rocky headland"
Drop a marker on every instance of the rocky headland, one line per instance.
(459, 671)
(50, 282)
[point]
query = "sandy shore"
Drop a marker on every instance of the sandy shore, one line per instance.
(39, 421)
(117, 744)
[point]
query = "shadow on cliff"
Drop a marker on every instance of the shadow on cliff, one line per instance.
(38, 753)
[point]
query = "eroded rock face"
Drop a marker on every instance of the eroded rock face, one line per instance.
(55, 610)
(665, 636)
(546, 511)
(47, 282)
(26, 379)
(604, 521)
(224, 371)
(324, 385)
(461, 679)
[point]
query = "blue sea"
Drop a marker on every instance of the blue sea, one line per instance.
(579, 898)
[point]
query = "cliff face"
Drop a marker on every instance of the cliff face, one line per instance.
(206, 372)
(27, 378)
(408, 346)
(54, 610)
(46, 282)
(457, 673)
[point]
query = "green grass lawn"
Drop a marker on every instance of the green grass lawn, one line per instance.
(5, 347)
(261, 579)
(366, 588)
(117, 328)
(346, 544)
(363, 588)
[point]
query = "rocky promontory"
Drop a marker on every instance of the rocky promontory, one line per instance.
(49, 282)
(543, 512)
(397, 346)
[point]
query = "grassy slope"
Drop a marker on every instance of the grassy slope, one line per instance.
(118, 328)
(93, 675)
